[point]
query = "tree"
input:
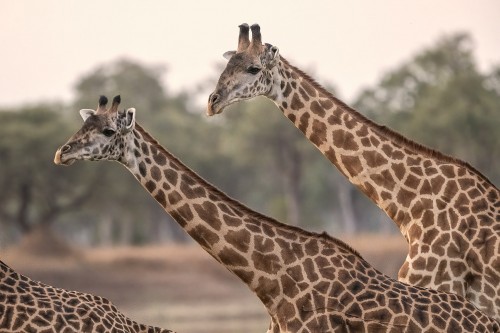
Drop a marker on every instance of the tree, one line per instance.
(32, 191)
(137, 83)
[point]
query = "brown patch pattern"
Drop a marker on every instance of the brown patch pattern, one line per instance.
(313, 282)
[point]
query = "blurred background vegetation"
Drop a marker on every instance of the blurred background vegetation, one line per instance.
(439, 98)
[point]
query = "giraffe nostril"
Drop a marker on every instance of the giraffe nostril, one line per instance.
(65, 148)
(213, 98)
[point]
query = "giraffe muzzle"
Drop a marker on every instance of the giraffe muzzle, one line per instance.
(59, 157)
(213, 99)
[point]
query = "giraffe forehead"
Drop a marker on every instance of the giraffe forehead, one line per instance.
(94, 121)
(240, 61)
(97, 122)
(85, 133)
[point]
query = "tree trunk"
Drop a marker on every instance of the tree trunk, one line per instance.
(25, 198)
(344, 190)
(292, 172)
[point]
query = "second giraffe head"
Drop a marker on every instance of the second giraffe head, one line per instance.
(250, 72)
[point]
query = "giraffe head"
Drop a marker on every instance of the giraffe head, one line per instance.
(102, 135)
(250, 71)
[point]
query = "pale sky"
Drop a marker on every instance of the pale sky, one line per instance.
(46, 45)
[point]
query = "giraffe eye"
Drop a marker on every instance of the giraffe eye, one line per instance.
(108, 132)
(253, 70)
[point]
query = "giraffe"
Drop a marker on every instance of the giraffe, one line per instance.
(448, 211)
(31, 306)
(308, 282)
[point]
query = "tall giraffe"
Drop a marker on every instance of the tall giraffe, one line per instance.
(308, 282)
(448, 211)
(31, 306)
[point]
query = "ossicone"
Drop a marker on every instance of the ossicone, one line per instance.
(103, 100)
(101, 106)
(256, 37)
(116, 101)
(243, 38)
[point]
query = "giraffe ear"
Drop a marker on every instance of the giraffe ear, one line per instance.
(129, 119)
(227, 55)
(85, 113)
(271, 54)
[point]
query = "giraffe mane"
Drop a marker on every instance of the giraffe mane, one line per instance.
(238, 205)
(388, 132)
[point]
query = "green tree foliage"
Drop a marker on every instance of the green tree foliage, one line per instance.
(135, 82)
(33, 190)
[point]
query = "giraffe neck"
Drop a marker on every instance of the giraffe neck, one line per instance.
(245, 242)
(392, 171)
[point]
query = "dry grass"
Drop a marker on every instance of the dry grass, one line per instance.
(173, 286)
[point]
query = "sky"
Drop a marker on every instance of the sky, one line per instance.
(47, 45)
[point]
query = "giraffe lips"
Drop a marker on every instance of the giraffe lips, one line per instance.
(217, 107)
(211, 110)
(216, 104)
(58, 159)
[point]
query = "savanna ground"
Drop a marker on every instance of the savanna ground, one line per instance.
(179, 287)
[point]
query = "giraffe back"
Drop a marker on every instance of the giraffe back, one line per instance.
(31, 306)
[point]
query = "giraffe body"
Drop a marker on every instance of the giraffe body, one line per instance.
(31, 306)
(308, 282)
(448, 211)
